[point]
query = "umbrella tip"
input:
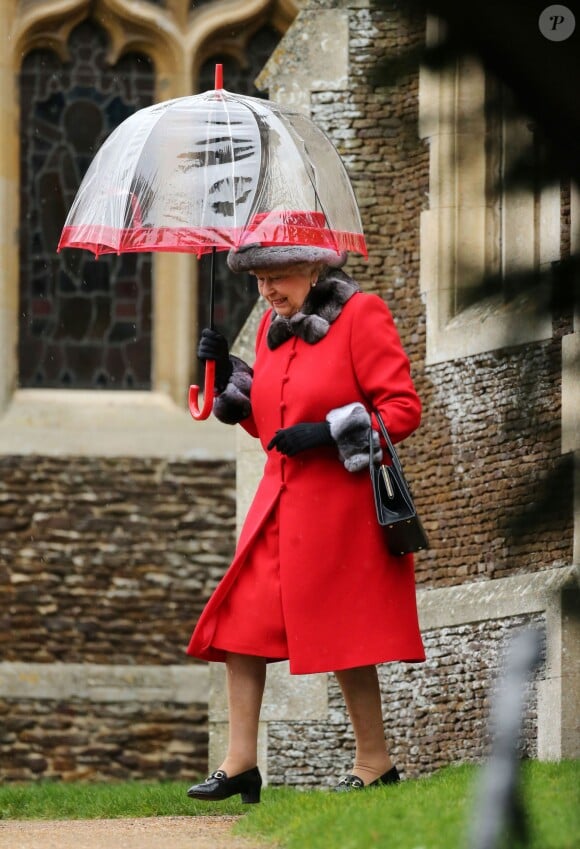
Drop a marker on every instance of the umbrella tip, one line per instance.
(219, 76)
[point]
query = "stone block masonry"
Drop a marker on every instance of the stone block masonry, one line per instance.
(95, 722)
(105, 565)
(104, 559)
(72, 741)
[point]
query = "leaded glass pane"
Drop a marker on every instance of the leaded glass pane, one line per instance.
(83, 323)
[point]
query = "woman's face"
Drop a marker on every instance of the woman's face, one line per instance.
(286, 288)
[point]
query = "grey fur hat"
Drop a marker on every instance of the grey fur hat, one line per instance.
(256, 256)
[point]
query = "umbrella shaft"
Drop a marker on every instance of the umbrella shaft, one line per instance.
(212, 290)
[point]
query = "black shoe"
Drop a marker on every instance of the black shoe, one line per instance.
(353, 782)
(390, 777)
(218, 786)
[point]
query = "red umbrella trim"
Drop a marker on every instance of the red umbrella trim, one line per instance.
(105, 240)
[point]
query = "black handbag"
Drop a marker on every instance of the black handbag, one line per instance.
(394, 502)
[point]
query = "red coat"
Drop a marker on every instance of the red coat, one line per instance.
(347, 602)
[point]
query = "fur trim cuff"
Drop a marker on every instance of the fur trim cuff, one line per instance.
(349, 427)
(233, 404)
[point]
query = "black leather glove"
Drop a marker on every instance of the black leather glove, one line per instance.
(300, 437)
(214, 346)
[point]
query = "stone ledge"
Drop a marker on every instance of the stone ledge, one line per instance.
(103, 683)
(497, 599)
(109, 424)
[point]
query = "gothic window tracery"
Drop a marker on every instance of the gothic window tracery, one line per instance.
(83, 323)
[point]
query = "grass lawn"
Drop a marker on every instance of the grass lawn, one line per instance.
(428, 813)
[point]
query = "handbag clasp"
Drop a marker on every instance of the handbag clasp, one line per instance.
(387, 481)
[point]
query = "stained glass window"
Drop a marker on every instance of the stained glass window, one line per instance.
(83, 323)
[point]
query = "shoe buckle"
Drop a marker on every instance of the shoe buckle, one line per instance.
(351, 781)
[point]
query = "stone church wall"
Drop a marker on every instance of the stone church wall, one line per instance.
(105, 565)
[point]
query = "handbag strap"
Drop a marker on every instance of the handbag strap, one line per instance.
(387, 438)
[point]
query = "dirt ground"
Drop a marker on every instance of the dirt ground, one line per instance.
(146, 833)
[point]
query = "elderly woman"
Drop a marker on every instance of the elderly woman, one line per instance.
(312, 580)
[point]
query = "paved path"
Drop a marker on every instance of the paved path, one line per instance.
(146, 833)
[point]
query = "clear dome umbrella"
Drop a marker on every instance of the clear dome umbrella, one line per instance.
(211, 172)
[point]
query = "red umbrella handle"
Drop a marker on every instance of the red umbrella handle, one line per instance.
(201, 415)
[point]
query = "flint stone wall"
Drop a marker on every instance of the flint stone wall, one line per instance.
(436, 713)
(480, 463)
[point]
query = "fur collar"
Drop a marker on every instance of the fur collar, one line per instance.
(322, 306)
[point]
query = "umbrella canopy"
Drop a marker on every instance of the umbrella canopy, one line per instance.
(209, 172)
(214, 170)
